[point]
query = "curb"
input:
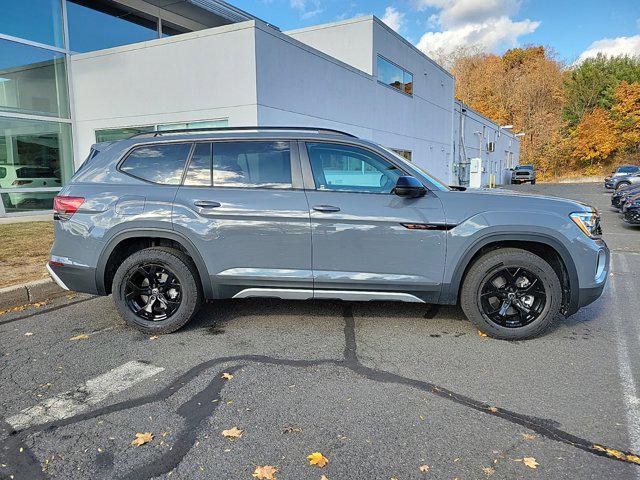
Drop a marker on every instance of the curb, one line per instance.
(32, 292)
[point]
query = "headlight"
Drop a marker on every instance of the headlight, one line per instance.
(588, 222)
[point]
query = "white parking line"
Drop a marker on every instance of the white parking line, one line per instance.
(95, 390)
(630, 393)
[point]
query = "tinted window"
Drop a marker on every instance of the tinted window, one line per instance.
(394, 76)
(3, 172)
(162, 164)
(199, 171)
(37, 20)
(628, 169)
(97, 24)
(343, 167)
(252, 164)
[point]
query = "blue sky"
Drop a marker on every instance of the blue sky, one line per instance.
(574, 28)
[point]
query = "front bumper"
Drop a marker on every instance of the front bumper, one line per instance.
(609, 183)
(632, 214)
(591, 285)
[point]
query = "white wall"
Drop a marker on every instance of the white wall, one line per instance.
(506, 144)
(301, 86)
(204, 75)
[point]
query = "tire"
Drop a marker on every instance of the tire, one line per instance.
(156, 262)
(489, 266)
(622, 185)
(533, 182)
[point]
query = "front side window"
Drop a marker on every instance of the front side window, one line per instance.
(394, 76)
(163, 163)
(352, 169)
(252, 164)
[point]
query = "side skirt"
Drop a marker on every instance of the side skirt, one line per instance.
(348, 295)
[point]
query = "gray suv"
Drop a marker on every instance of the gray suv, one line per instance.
(164, 221)
(523, 174)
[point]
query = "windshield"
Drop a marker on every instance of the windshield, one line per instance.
(525, 167)
(436, 183)
(628, 169)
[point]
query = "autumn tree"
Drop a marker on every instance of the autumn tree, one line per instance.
(523, 88)
(626, 113)
(595, 138)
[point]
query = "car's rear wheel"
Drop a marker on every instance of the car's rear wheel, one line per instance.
(511, 294)
(157, 290)
(622, 185)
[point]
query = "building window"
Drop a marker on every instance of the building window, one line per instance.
(113, 134)
(35, 160)
(394, 76)
(406, 154)
(36, 20)
(97, 24)
(33, 80)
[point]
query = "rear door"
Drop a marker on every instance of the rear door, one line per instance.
(364, 236)
(243, 206)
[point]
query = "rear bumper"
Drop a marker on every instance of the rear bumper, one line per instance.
(75, 278)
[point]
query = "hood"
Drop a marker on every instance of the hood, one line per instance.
(460, 206)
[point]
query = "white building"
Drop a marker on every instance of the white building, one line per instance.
(100, 70)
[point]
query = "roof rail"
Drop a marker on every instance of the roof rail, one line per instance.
(241, 129)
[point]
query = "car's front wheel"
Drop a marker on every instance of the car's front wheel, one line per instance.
(622, 185)
(511, 294)
(157, 290)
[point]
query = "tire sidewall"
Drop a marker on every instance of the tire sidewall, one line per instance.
(177, 266)
(487, 266)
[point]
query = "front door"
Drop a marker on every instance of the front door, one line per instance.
(364, 236)
(242, 205)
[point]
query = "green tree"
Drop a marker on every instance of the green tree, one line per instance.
(592, 84)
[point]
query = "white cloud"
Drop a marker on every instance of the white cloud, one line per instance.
(307, 8)
(612, 47)
(393, 18)
(485, 24)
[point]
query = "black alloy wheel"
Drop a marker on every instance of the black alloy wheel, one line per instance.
(153, 292)
(512, 297)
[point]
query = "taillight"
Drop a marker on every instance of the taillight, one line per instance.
(64, 207)
(17, 183)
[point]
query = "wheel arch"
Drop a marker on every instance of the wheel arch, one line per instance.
(148, 237)
(536, 243)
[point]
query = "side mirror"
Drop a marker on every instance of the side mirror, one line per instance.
(409, 187)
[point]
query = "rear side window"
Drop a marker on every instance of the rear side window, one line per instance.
(252, 164)
(163, 163)
(199, 171)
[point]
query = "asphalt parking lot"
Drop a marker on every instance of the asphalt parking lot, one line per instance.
(381, 390)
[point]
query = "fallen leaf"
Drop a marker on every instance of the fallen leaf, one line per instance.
(481, 333)
(142, 438)
(266, 472)
(153, 337)
(424, 468)
(493, 409)
(488, 470)
(28, 334)
(291, 429)
(530, 462)
(233, 432)
(316, 458)
(324, 477)
(528, 436)
(82, 336)
(227, 376)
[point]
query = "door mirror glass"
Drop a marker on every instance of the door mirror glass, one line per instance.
(409, 187)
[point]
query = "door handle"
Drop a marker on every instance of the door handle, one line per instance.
(326, 208)
(206, 204)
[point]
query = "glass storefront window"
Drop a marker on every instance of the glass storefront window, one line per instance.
(113, 134)
(36, 20)
(96, 24)
(35, 160)
(33, 80)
